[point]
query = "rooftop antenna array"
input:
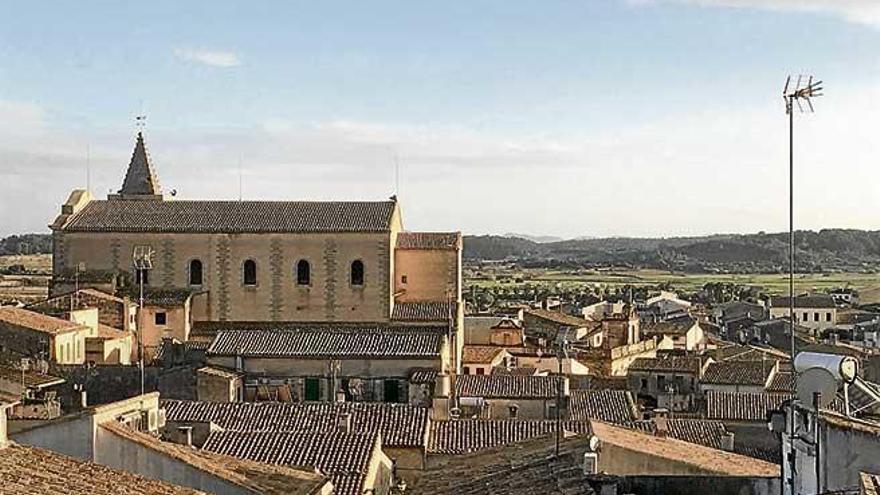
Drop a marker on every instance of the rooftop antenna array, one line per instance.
(803, 89)
(796, 92)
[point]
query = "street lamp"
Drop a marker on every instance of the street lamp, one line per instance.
(142, 260)
(803, 89)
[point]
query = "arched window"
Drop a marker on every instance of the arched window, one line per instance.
(357, 272)
(195, 272)
(250, 272)
(303, 273)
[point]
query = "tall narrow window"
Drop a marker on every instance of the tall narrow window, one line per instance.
(303, 273)
(195, 272)
(357, 272)
(250, 272)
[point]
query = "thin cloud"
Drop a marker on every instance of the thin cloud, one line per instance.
(865, 12)
(211, 58)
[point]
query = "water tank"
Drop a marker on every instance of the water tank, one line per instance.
(842, 368)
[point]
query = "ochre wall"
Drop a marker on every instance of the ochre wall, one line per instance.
(329, 297)
(432, 275)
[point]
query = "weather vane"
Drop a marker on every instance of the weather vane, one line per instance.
(140, 121)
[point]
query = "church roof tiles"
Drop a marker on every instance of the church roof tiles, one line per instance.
(232, 216)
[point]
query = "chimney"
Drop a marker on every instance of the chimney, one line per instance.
(727, 441)
(591, 463)
(4, 440)
(343, 423)
(186, 435)
(661, 421)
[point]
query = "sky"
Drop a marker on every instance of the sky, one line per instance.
(566, 118)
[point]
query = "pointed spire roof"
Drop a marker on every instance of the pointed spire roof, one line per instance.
(140, 180)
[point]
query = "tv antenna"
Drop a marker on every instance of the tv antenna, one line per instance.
(796, 92)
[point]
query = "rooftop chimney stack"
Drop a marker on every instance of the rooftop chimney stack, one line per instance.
(343, 423)
(661, 421)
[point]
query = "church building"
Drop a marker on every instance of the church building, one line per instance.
(245, 265)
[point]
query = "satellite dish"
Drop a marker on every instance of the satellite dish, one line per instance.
(593, 443)
(816, 380)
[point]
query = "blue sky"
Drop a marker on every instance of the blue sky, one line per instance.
(617, 117)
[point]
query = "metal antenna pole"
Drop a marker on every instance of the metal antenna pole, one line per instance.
(141, 329)
(791, 222)
(804, 89)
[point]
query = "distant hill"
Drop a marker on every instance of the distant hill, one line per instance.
(26, 244)
(540, 239)
(826, 250)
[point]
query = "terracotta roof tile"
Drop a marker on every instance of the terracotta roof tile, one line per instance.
(232, 216)
(741, 406)
(559, 318)
(681, 364)
(507, 386)
(348, 342)
(471, 435)
(429, 240)
(37, 322)
(333, 453)
(700, 431)
(423, 311)
(612, 406)
(401, 425)
(32, 378)
(479, 354)
(739, 372)
(254, 476)
(32, 471)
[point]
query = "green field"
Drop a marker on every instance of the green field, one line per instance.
(867, 284)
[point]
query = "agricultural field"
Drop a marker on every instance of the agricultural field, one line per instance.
(868, 284)
(25, 277)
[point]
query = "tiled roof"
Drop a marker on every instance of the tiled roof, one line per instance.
(558, 318)
(783, 382)
(108, 332)
(401, 425)
(329, 342)
(31, 320)
(679, 364)
(703, 458)
(700, 431)
(429, 240)
(232, 216)
(507, 386)
(31, 378)
(423, 376)
(423, 311)
(803, 301)
(741, 406)
(333, 453)
(678, 326)
(140, 178)
(219, 372)
(738, 372)
(33, 471)
(189, 346)
(611, 406)
(532, 466)
(479, 354)
(162, 296)
(522, 371)
(253, 476)
(471, 435)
